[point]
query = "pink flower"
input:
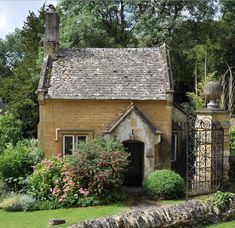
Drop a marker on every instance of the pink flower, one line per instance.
(59, 155)
(70, 182)
(65, 179)
(62, 198)
(48, 163)
(55, 191)
(84, 192)
(67, 189)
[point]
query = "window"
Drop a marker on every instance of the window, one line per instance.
(71, 141)
(174, 147)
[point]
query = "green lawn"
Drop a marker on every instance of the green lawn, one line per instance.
(39, 219)
(72, 216)
(223, 225)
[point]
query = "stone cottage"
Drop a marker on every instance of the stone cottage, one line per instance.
(125, 93)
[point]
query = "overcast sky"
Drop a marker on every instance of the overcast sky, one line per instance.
(14, 12)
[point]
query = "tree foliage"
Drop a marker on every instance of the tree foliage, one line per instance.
(22, 68)
(187, 27)
(199, 34)
(10, 130)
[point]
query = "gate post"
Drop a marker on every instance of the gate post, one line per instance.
(213, 91)
(222, 117)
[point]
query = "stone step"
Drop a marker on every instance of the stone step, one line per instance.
(133, 189)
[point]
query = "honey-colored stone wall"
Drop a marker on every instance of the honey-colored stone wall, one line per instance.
(58, 117)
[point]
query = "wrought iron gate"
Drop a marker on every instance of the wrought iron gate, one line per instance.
(204, 157)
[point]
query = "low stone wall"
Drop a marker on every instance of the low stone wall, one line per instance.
(192, 213)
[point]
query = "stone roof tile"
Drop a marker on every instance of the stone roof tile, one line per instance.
(109, 73)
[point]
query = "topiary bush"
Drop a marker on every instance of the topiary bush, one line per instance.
(164, 184)
(16, 163)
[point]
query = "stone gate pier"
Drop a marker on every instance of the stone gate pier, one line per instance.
(210, 150)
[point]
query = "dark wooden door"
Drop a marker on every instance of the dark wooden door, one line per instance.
(134, 175)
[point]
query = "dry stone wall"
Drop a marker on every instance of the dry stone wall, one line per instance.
(192, 213)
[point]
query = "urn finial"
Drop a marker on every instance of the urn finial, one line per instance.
(213, 91)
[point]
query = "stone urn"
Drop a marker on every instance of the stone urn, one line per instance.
(213, 91)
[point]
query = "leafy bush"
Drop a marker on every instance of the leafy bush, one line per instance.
(54, 180)
(221, 199)
(10, 130)
(16, 163)
(101, 166)
(45, 205)
(18, 202)
(232, 141)
(41, 182)
(164, 184)
(92, 176)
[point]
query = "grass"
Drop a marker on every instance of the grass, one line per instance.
(222, 225)
(170, 202)
(39, 219)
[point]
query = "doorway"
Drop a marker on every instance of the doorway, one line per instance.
(134, 175)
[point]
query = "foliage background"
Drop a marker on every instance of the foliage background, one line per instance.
(200, 36)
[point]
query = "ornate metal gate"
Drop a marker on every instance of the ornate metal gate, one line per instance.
(204, 157)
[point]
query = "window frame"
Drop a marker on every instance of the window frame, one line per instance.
(74, 141)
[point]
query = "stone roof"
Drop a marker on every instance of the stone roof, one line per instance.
(108, 73)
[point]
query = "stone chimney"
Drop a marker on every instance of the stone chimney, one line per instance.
(51, 43)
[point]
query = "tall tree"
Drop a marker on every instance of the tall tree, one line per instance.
(96, 23)
(139, 23)
(22, 84)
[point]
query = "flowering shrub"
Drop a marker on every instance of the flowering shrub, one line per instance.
(101, 165)
(40, 183)
(92, 176)
(55, 183)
